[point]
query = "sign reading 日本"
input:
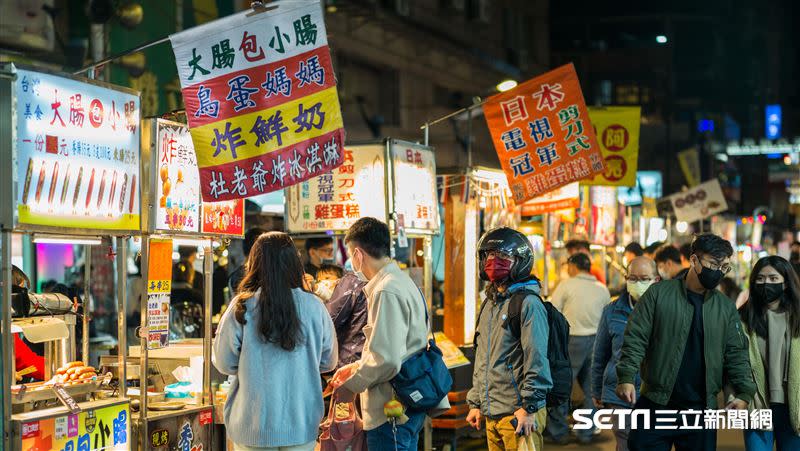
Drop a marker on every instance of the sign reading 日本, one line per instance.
(542, 134)
(261, 100)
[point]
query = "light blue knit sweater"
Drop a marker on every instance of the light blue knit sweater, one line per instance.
(276, 396)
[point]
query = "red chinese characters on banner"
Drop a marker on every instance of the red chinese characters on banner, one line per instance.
(223, 218)
(542, 134)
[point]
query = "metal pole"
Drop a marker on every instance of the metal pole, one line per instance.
(454, 113)
(6, 363)
(469, 138)
(122, 318)
(87, 269)
(144, 46)
(143, 343)
(427, 130)
(546, 242)
(208, 268)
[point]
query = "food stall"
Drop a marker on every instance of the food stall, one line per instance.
(177, 411)
(71, 147)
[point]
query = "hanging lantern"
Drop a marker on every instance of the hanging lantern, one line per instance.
(130, 15)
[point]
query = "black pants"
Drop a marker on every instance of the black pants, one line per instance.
(663, 440)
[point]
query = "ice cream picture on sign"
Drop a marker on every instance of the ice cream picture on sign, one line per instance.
(543, 135)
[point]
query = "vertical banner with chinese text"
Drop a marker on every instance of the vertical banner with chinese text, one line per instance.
(261, 100)
(542, 134)
(617, 130)
(159, 284)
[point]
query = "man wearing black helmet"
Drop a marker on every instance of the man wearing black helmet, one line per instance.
(512, 373)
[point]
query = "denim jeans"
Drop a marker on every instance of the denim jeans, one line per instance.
(383, 438)
(580, 356)
(782, 434)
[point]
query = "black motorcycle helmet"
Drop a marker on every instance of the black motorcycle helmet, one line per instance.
(508, 241)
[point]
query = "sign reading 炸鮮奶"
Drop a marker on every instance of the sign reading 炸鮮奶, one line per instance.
(78, 153)
(542, 134)
(261, 100)
(337, 199)
(617, 130)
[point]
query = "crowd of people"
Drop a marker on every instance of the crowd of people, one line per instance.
(673, 340)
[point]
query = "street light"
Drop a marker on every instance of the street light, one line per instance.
(506, 85)
(661, 39)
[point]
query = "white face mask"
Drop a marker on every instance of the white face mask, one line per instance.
(637, 289)
(324, 289)
(358, 269)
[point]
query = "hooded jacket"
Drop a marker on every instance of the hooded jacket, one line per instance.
(510, 373)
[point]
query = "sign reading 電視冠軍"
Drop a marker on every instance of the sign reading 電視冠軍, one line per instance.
(337, 199)
(261, 100)
(542, 134)
(77, 153)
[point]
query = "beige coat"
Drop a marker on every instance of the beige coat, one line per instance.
(395, 330)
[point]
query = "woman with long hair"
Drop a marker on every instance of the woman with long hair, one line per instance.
(771, 321)
(276, 338)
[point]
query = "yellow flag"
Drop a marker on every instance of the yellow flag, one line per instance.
(617, 130)
(689, 161)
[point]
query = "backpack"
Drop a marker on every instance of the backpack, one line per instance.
(557, 343)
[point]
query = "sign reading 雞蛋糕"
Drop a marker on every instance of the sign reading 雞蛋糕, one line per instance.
(78, 153)
(261, 100)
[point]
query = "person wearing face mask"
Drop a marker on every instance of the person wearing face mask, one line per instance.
(670, 263)
(328, 276)
(685, 336)
(581, 299)
(642, 273)
(319, 251)
(511, 377)
(771, 320)
(396, 329)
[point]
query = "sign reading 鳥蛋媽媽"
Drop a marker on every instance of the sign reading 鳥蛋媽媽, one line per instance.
(543, 135)
(77, 153)
(261, 100)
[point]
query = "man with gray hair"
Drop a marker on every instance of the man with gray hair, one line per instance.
(642, 272)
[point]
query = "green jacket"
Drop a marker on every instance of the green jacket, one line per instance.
(761, 400)
(656, 337)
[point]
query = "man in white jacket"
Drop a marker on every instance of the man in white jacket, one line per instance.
(396, 329)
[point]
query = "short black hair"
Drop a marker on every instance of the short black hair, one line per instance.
(581, 261)
(713, 245)
(668, 252)
(250, 238)
(634, 248)
(577, 245)
(318, 242)
(653, 248)
(686, 250)
(371, 235)
(336, 270)
(186, 251)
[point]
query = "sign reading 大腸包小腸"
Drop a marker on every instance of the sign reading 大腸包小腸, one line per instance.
(337, 199)
(261, 100)
(78, 153)
(543, 135)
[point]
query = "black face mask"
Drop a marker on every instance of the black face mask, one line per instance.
(769, 292)
(710, 278)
